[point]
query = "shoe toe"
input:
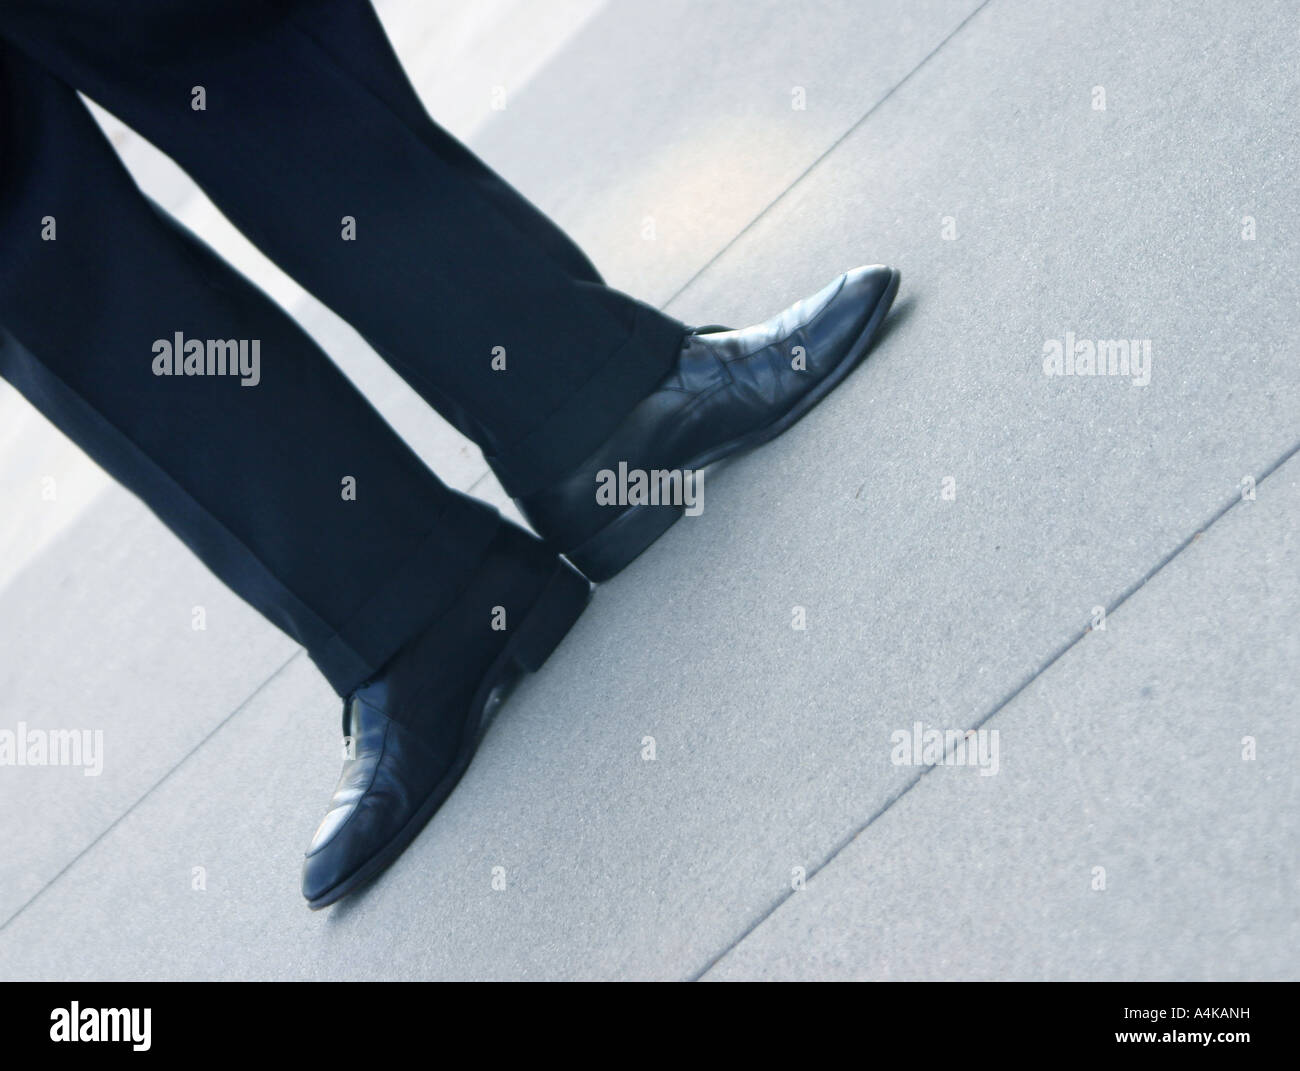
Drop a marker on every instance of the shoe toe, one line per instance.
(839, 329)
(377, 797)
(347, 839)
(867, 286)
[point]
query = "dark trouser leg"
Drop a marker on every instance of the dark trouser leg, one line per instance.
(309, 119)
(354, 37)
(250, 477)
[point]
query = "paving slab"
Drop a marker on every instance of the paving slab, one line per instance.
(1144, 821)
(45, 480)
(766, 737)
(116, 630)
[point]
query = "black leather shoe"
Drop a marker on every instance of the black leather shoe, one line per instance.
(730, 390)
(414, 727)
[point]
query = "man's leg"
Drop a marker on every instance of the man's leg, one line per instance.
(300, 143)
(418, 604)
(353, 35)
(250, 477)
(311, 140)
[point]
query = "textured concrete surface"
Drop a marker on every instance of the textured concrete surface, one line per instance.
(115, 596)
(1144, 818)
(966, 149)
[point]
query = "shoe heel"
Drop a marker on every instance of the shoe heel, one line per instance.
(620, 541)
(561, 604)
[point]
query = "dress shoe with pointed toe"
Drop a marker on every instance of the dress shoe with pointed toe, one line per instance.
(729, 390)
(411, 730)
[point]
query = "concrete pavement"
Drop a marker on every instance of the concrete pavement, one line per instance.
(953, 523)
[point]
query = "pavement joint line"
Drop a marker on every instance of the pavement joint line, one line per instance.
(150, 790)
(1033, 676)
(822, 157)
